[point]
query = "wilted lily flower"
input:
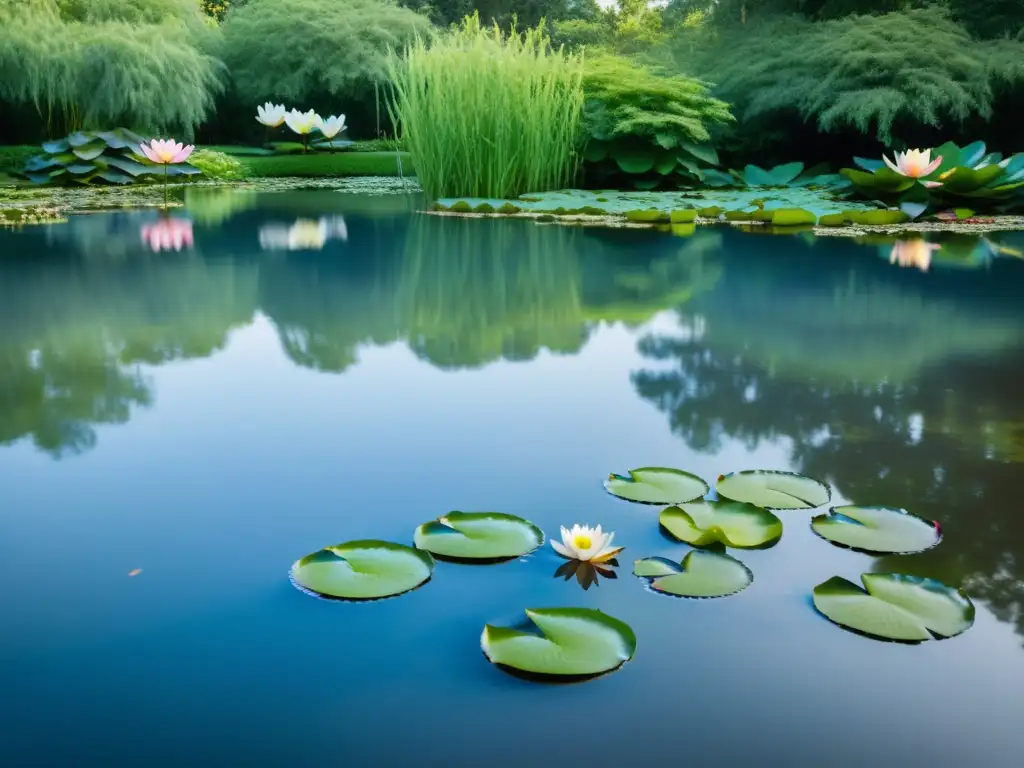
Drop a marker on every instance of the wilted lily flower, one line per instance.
(590, 545)
(913, 253)
(330, 127)
(915, 164)
(168, 234)
(270, 115)
(166, 151)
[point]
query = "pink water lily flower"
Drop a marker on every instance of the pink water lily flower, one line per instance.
(915, 164)
(166, 151)
(168, 234)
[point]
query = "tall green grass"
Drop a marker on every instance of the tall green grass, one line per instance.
(486, 114)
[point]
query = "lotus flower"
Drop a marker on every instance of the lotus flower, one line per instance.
(166, 151)
(270, 115)
(168, 234)
(587, 544)
(913, 253)
(302, 123)
(915, 164)
(330, 127)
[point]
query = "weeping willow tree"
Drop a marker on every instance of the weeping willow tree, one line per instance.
(882, 75)
(146, 64)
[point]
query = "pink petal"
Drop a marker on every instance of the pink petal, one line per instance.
(932, 184)
(893, 166)
(930, 168)
(182, 154)
(148, 152)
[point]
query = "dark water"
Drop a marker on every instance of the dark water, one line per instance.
(209, 415)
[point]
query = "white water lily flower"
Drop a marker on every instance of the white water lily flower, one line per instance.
(591, 545)
(302, 123)
(330, 127)
(271, 115)
(915, 164)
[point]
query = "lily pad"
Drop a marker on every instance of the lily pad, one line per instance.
(561, 642)
(363, 570)
(732, 523)
(656, 485)
(895, 607)
(877, 529)
(773, 489)
(701, 574)
(478, 536)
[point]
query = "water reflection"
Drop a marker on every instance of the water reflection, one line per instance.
(303, 235)
(167, 233)
(587, 574)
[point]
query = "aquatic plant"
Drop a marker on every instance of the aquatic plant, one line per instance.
(946, 177)
(114, 157)
(302, 123)
(781, 176)
(589, 545)
(166, 152)
(486, 114)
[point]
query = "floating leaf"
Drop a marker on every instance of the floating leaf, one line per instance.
(363, 570)
(732, 523)
(773, 489)
(56, 147)
(656, 485)
(80, 138)
(895, 606)
(701, 574)
(575, 642)
(877, 529)
(478, 536)
(89, 151)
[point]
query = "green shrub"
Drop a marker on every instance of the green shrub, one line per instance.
(867, 73)
(650, 127)
(217, 165)
(142, 63)
(314, 51)
(321, 164)
(489, 115)
(13, 159)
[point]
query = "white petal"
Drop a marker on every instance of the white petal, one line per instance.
(563, 551)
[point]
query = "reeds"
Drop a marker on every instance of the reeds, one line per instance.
(486, 114)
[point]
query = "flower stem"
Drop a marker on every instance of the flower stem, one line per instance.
(165, 185)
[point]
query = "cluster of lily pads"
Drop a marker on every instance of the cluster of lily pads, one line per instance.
(114, 157)
(559, 643)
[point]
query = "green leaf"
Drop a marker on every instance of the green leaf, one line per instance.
(646, 184)
(778, 176)
(81, 138)
(880, 217)
(773, 489)
(791, 217)
(363, 570)
(704, 152)
(665, 165)
(715, 178)
(895, 607)
(882, 180)
(89, 151)
(115, 177)
(576, 642)
(912, 208)
(129, 166)
(966, 180)
(478, 536)
(56, 147)
(834, 220)
(884, 530)
(649, 216)
(732, 523)
(39, 163)
(701, 574)
(950, 154)
(868, 165)
(81, 168)
(685, 216)
(972, 154)
(633, 159)
(656, 485)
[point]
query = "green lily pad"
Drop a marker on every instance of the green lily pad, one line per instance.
(877, 529)
(561, 642)
(701, 574)
(773, 489)
(895, 607)
(478, 536)
(363, 570)
(656, 485)
(732, 523)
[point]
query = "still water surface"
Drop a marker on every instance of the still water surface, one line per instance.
(316, 367)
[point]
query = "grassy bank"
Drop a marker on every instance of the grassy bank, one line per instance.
(321, 164)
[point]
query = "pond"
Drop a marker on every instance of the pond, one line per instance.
(178, 426)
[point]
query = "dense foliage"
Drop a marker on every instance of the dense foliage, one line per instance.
(486, 114)
(96, 63)
(315, 52)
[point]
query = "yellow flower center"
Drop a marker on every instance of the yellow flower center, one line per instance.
(582, 542)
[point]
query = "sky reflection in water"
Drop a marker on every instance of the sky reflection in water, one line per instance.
(210, 414)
